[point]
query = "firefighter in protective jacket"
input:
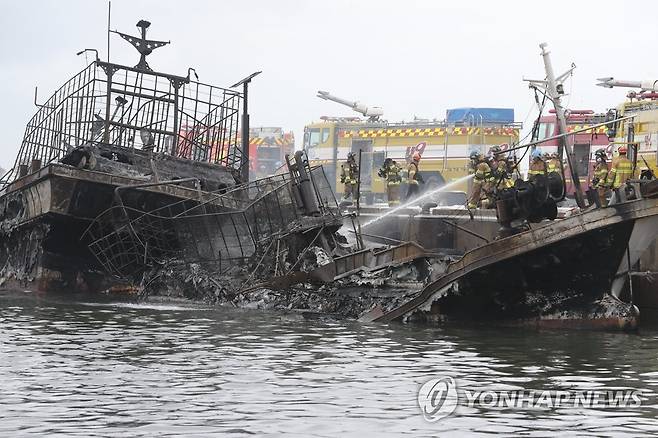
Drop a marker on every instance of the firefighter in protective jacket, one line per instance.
(349, 174)
(600, 175)
(553, 164)
(481, 180)
(621, 170)
(537, 165)
(390, 172)
(413, 178)
(502, 177)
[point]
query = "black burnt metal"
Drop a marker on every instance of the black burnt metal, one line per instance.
(144, 47)
(135, 108)
(531, 201)
(217, 230)
(245, 122)
(527, 262)
(549, 279)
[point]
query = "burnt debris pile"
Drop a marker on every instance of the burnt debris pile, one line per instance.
(218, 230)
(131, 179)
(271, 243)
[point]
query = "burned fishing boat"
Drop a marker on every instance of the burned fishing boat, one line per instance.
(112, 133)
(133, 180)
(250, 246)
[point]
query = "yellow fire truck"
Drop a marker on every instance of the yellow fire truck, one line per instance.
(641, 132)
(444, 145)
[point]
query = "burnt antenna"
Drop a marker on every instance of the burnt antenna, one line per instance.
(144, 47)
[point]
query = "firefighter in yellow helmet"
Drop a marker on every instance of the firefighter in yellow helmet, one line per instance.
(537, 165)
(621, 169)
(390, 172)
(349, 174)
(600, 175)
(413, 178)
(481, 180)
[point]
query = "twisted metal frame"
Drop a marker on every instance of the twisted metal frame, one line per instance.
(131, 108)
(216, 229)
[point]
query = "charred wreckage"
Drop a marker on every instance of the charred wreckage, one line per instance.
(132, 181)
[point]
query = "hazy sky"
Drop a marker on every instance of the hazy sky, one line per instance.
(409, 57)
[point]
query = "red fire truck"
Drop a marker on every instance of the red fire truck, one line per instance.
(267, 150)
(584, 143)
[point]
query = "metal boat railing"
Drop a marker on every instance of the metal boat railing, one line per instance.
(129, 108)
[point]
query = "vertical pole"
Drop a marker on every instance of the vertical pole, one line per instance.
(358, 205)
(245, 135)
(109, 11)
(174, 145)
(358, 186)
(632, 146)
(563, 143)
(334, 185)
(445, 150)
(106, 134)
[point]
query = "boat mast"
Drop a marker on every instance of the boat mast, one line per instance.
(554, 89)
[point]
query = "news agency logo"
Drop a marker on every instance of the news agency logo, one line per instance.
(438, 398)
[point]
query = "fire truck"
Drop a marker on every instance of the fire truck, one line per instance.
(585, 143)
(445, 145)
(268, 147)
(641, 132)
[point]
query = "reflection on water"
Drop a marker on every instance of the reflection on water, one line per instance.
(122, 369)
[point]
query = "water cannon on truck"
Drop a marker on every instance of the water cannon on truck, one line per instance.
(650, 85)
(373, 113)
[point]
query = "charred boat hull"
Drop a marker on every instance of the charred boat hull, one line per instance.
(551, 279)
(160, 137)
(43, 217)
(560, 273)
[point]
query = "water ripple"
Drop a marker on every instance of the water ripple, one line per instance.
(99, 369)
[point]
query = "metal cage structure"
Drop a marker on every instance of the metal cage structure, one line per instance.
(222, 229)
(132, 108)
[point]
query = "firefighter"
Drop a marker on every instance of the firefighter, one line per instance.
(390, 172)
(500, 169)
(413, 178)
(481, 180)
(600, 175)
(349, 174)
(621, 170)
(537, 165)
(553, 164)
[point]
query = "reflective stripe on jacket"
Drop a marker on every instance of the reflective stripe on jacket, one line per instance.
(622, 170)
(553, 165)
(537, 167)
(601, 172)
(393, 177)
(483, 172)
